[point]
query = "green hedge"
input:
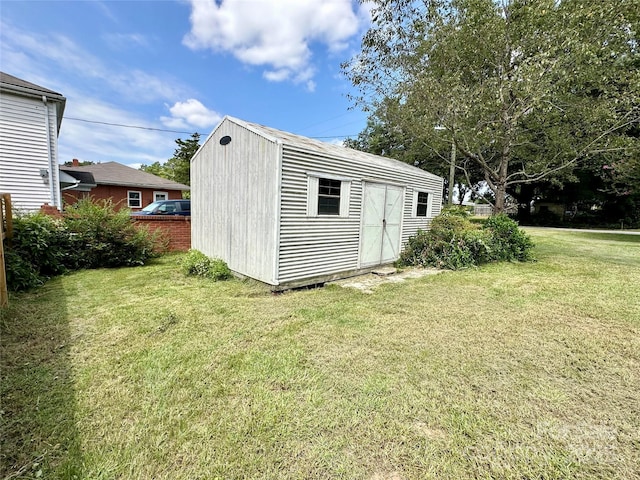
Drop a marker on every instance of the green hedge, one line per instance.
(89, 235)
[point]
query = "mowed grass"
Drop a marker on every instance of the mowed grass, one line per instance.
(507, 371)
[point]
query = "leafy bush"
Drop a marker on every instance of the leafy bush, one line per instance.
(40, 240)
(107, 237)
(21, 274)
(196, 263)
(454, 242)
(508, 241)
(90, 235)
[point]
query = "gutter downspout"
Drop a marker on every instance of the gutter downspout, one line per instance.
(49, 156)
(70, 186)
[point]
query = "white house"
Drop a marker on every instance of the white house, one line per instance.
(291, 211)
(30, 119)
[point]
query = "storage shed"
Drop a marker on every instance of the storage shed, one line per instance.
(292, 211)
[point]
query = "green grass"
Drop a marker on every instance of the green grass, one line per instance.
(507, 371)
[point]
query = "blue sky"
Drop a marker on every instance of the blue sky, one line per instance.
(182, 66)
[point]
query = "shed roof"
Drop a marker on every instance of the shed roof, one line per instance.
(17, 86)
(114, 173)
(329, 149)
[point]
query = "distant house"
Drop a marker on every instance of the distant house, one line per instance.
(125, 186)
(30, 119)
(291, 211)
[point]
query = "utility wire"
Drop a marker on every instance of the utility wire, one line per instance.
(171, 131)
(128, 126)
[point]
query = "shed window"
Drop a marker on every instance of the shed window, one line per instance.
(328, 196)
(134, 199)
(422, 204)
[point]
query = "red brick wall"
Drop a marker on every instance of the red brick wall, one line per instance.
(176, 227)
(51, 210)
(118, 195)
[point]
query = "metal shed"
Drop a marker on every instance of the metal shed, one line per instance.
(292, 211)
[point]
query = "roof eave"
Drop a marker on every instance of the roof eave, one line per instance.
(38, 94)
(182, 188)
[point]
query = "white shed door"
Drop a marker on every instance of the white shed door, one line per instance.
(381, 224)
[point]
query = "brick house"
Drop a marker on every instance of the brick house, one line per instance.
(125, 186)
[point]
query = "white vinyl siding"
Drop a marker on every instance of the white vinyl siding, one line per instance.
(24, 152)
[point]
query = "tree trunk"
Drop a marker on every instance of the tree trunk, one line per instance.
(501, 193)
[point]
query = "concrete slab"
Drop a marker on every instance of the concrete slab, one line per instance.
(368, 283)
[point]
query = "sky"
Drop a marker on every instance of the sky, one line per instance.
(182, 66)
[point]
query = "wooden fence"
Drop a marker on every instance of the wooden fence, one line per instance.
(6, 225)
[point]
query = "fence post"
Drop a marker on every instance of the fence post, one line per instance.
(6, 228)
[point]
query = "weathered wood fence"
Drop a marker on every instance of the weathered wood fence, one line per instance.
(6, 225)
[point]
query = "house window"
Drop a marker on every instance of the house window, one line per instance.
(159, 196)
(134, 199)
(328, 196)
(422, 204)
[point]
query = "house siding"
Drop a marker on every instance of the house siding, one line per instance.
(318, 246)
(234, 201)
(24, 147)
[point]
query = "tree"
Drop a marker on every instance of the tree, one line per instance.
(525, 90)
(178, 167)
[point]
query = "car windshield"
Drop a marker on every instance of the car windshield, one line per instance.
(151, 207)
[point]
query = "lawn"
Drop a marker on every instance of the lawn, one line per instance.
(506, 371)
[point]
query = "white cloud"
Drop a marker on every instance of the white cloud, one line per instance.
(191, 113)
(64, 55)
(277, 34)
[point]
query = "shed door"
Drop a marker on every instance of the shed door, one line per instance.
(381, 224)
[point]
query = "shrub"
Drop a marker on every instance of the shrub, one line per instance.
(454, 242)
(90, 235)
(41, 241)
(509, 242)
(106, 237)
(196, 263)
(21, 274)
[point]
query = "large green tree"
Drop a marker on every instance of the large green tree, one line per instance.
(178, 167)
(526, 90)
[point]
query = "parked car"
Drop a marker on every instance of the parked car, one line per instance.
(166, 207)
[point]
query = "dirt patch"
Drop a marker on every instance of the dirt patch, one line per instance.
(367, 283)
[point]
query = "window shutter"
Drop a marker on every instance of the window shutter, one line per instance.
(345, 195)
(312, 196)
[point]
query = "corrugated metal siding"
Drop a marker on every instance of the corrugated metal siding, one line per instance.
(315, 246)
(23, 151)
(234, 201)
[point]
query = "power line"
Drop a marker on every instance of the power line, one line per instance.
(173, 131)
(128, 126)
